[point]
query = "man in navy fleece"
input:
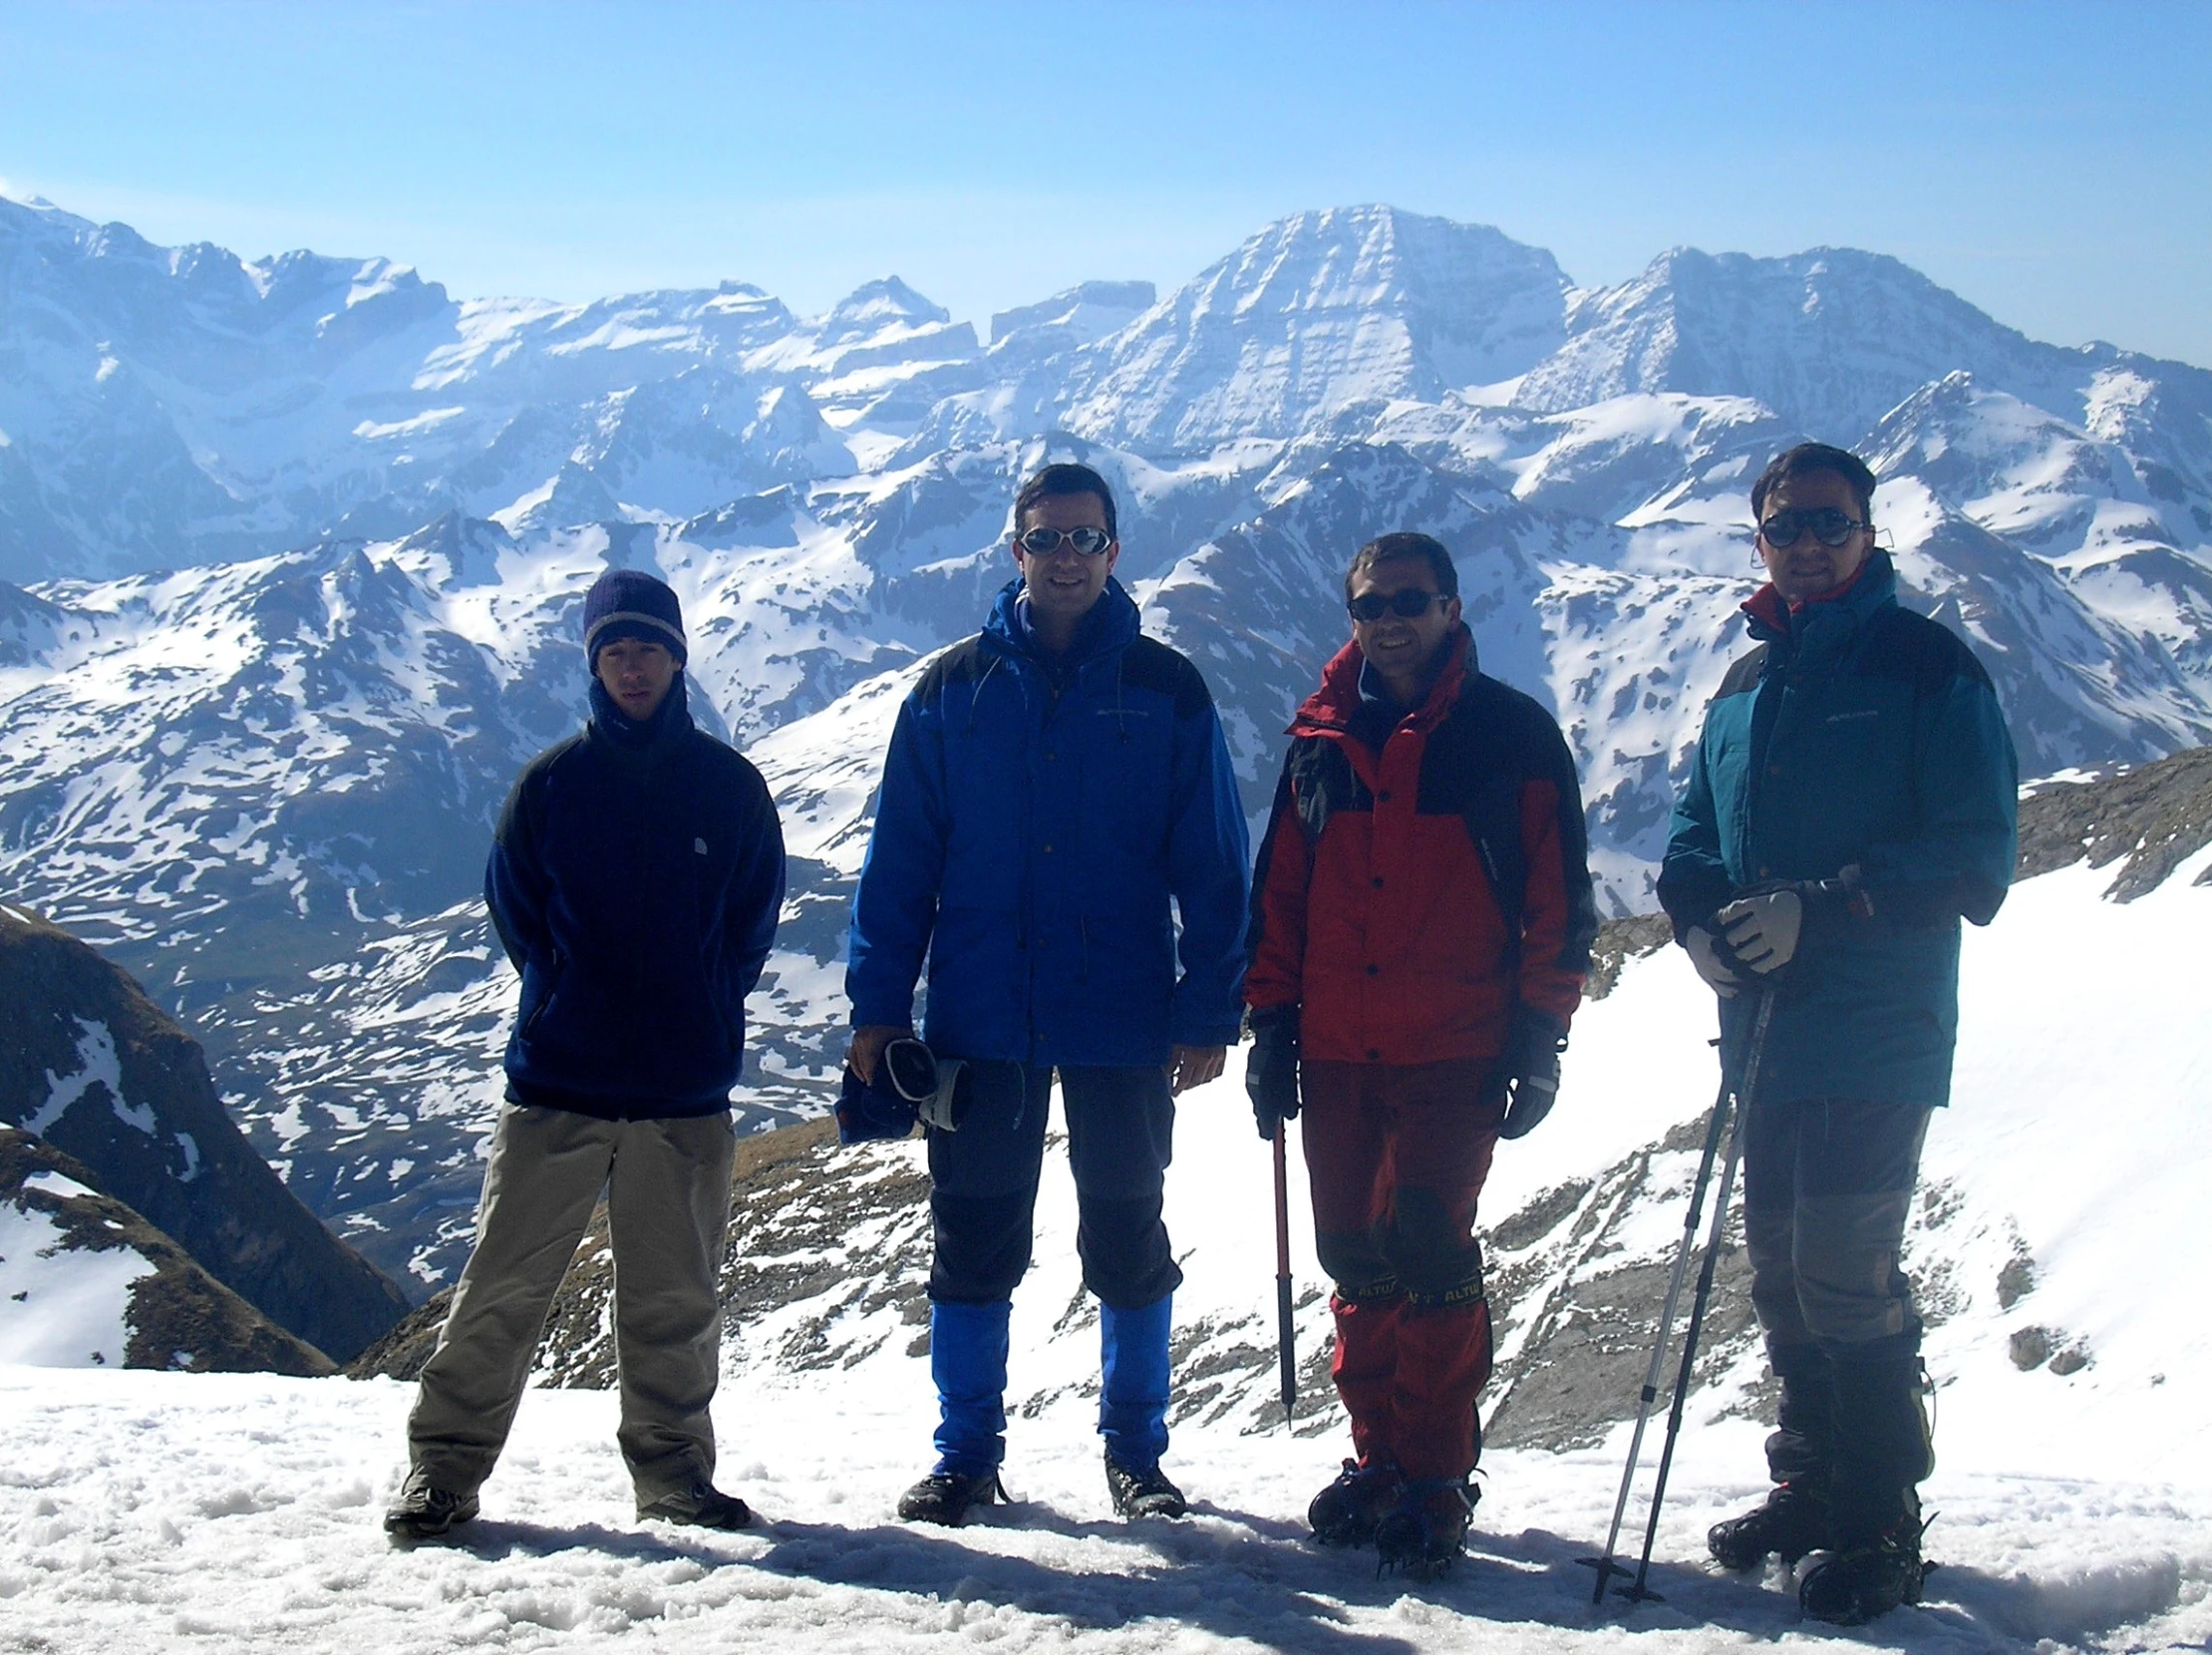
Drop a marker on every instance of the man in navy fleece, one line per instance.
(635, 882)
(1053, 785)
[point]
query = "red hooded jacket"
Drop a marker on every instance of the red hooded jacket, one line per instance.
(1409, 900)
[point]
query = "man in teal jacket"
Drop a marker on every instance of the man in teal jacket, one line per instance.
(1852, 799)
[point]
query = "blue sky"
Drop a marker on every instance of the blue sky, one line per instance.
(2052, 164)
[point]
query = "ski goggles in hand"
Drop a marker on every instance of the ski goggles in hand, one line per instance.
(930, 1083)
(1830, 526)
(1372, 606)
(1043, 542)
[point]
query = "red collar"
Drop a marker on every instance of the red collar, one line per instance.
(1766, 605)
(1329, 710)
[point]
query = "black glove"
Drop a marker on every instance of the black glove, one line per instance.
(1529, 1069)
(1271, 1072)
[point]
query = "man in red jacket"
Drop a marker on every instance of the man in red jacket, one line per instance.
(1421, 924)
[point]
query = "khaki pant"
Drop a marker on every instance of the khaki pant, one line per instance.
(668, 1184)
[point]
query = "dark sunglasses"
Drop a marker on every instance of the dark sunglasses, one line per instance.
(1043, 542)
(1830, 526)
(1372, 606)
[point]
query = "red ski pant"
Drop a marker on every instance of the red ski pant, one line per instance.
(1396, 1155)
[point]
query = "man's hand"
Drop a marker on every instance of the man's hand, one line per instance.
(1703, 955)
(865, 1050)
(1531, 1066)
(1763, 930)
(1271, 1072)
(1189, 1066)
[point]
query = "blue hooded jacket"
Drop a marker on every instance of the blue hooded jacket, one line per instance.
(1035, 817)
(635, 880)
(1858, 733)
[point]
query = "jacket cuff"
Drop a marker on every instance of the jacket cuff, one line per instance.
(1205, 1033)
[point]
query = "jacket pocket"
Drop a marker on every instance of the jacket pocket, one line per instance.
(548, 986)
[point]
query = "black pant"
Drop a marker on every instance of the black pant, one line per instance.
(1121, 1135)
(1827, 1184)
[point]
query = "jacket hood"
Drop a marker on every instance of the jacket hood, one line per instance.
(1328, 709)
(1774, 621)
(1111, 624)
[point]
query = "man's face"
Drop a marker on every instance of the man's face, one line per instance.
(1064, 583)
(636, 675)
(1403, 647)
(1805, 568)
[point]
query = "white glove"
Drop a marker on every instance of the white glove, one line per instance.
(1724, 982)
(1763, 929)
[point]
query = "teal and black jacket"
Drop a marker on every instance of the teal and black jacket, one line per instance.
(1858, 734)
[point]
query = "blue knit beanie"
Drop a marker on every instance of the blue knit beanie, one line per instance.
(629, 603)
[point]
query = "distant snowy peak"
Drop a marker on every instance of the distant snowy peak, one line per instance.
(877, 305)
(1829, 339)
(1318, 311)
(1082, 315)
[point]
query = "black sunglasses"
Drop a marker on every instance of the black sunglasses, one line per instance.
(1372, 606)
(1043, 542)
(1830, 526)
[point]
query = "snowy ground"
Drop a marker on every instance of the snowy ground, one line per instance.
(151, 1512)
(170, 1512)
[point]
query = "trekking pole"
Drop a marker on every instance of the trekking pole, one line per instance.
(1650, 1393)
(1285, 1338)
(1638, 1591)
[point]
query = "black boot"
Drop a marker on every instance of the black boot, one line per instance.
(1869, 1577)
(1794, 1517)
(946, 1497)
(1883, 1448)
(1792, 1520)
(1424, 1532)
(1349, 1510)
(1146, 1493)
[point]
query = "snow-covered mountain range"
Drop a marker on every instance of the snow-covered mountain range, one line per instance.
(295, 547)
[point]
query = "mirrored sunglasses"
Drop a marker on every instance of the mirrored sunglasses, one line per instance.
(1828, 526)
(1372, 606)
(1043, 542)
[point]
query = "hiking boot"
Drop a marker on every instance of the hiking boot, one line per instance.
(945, 1497)
(1143, 1493)
(702, 1506)
(1857, 1583)
(1423, 1532)
(1349, 1510)
(423, 1513)
(1790, 1522)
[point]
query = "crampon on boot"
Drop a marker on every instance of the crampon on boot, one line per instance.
(1425, 1531)
(1349, 1510)
(1857, 1583)
(1792, 1520)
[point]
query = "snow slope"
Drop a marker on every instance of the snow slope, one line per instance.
(175, 1512)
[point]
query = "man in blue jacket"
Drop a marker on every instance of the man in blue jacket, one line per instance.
(1053, 785)
(635, 880)
(1852, 799)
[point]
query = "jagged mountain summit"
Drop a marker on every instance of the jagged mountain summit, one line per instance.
(265, 783)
